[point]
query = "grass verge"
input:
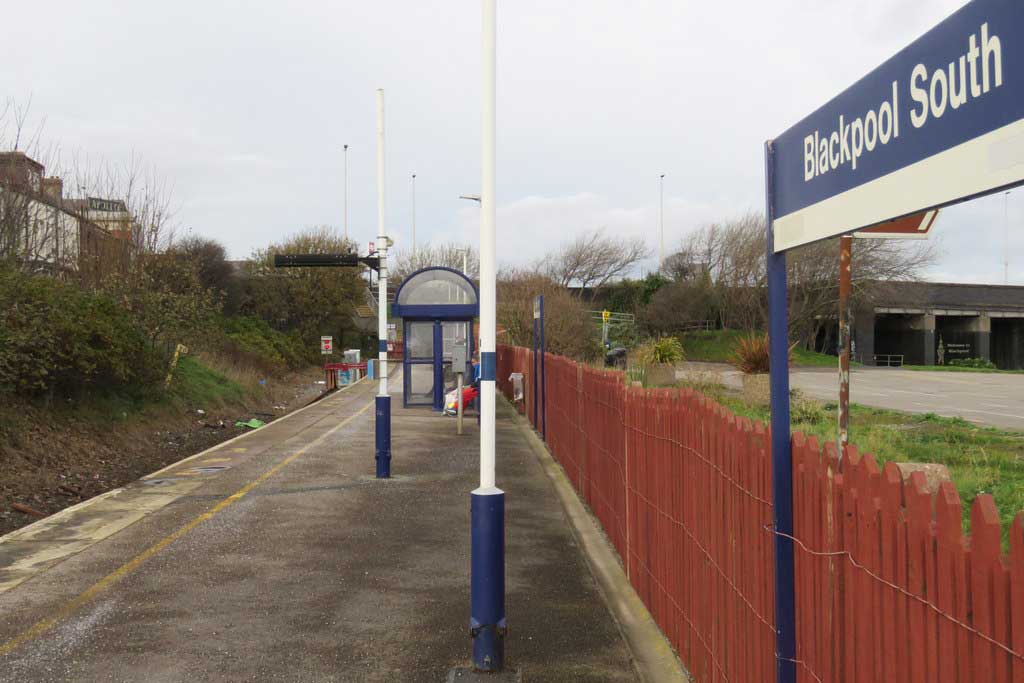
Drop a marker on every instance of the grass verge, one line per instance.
(716, 346)
(980, 459)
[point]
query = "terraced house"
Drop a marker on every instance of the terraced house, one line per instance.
(46, 232)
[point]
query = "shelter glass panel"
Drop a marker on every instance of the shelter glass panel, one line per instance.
(420, 344)
(420, 385)
(432, 287)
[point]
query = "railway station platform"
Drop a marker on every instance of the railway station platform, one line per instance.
(277, 556)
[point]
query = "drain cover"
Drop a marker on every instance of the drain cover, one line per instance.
(210, 469)
(167, 481)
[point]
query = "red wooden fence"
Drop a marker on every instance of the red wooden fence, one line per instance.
(888, 588)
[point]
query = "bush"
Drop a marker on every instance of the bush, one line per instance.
(973, 363)
(251, 339)
(58, 338)
(750, 355)
(660, 351)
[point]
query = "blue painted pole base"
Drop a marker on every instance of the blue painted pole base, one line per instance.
(383, 406)
(487, 579)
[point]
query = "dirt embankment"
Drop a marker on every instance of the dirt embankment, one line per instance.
(60, 459)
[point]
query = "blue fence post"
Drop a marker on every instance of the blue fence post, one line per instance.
(781, 444)
(543, 377)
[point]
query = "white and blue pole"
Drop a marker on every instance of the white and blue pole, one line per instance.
(487, 503)
(383, 401)
(781, 444)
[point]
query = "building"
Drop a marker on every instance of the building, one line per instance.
(110, 214)
(47, 232)
(909, 322)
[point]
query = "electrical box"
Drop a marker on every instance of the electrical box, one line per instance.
(459, 357)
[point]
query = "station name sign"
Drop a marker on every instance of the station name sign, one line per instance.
(939, 122)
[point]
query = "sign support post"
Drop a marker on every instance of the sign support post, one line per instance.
(845, 284)
(898, 142)
(543, 377)
(383, 400)
(536, 378)
(487, 507)
(781, 446)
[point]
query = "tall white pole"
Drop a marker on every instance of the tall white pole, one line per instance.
(488, 254)
(346, 192)
(487, 503)
(661, 221)
(414, 217)
(383, 401)
(382, 250)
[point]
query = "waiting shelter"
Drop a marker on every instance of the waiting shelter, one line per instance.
(437, 306)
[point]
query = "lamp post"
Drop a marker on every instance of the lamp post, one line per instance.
(414, 216)
(661, 222)
(487, 506)
(383, 400)
(346, 192)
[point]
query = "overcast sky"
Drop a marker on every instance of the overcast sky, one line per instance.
(245, 106)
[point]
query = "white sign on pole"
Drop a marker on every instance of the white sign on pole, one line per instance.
(326, 345)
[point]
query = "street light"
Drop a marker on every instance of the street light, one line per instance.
(487, 507)
(383, 398)
(346, 192)
(414, 215)
(661, 220)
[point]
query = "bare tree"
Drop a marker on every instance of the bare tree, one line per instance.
(731, 256)
(568, 328)
(592, 259)
(402, 263)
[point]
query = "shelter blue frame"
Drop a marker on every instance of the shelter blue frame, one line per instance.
(436, 313)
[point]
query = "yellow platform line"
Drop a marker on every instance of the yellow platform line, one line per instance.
(108, 581)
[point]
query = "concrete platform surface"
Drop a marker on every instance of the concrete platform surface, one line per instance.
(278, 557)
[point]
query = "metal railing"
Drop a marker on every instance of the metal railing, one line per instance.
(889, 360)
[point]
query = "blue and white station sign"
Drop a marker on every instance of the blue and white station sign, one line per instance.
(939, 122)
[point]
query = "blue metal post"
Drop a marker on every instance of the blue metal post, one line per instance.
(487, 589)
(782, 457)
(543, 377)
(383, 435)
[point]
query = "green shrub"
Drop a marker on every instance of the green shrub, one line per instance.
(659, 351)
(253, 340)
(58, 338)
(752, 353)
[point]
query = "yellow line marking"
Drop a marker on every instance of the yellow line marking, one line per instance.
(108, 581)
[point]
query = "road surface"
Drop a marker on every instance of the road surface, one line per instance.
(984, 398)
